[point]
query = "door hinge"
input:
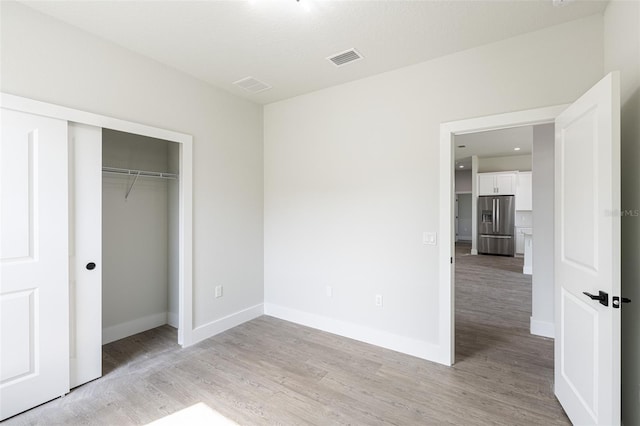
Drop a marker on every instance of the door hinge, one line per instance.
(451, 260)
(615, 301)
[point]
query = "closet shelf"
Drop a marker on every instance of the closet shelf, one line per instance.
(136, 174)
(141, 173)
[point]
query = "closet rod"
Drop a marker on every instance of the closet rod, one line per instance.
(141, 173)
(137, 174)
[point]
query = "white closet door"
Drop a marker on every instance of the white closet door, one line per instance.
(34, 269)
(85, 254)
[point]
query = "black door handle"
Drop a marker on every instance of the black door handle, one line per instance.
(615, 302)
(91, 266)
(602, 297)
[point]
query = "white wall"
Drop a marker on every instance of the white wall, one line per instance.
(464, 188)
(542, 287)
(135, 252)
(47, 60)
(505, 163)
(622, 52)
(463, 180)
(351, 179)
(464, 216)
(463, 185)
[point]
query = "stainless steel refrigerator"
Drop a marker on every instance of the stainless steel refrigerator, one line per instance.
(496, 224)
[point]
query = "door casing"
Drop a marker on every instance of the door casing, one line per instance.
(448, 130)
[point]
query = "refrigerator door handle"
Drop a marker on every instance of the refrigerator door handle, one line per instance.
(493, 214)
(498, 224)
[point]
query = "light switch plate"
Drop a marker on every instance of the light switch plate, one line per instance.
(430, 238)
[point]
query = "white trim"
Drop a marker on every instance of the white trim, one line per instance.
(406, 345)
(474, 204)
(447, 132)
(46, 109)
(542, 328)
(223, 324)
(129, 328)
(185, 232)
(185, 245)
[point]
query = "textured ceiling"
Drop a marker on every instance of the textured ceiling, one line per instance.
(284, 43)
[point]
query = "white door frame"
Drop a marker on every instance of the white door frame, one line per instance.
(447, 238)
(185, 197)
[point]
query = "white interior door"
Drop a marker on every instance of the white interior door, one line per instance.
(85, 253)
(34, 271)
(587, 255)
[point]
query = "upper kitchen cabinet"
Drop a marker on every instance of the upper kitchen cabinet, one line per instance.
(500, 183)
(524, 199)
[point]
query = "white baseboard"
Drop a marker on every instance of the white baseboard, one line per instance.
(129, 328)
(543, 328)
(406, 345)
(172, 319)
(474, 252)
(223, 324)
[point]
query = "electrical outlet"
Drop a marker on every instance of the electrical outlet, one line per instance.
(379, 300)
(218, 291)
(329, 291)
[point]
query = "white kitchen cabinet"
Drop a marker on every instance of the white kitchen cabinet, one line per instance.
(486, 184)
(502, 183)
(524, 191)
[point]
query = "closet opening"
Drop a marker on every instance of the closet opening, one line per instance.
(129, 240)
(140, 234)
(59, 202)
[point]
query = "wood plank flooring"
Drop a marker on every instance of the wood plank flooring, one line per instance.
(271, 372)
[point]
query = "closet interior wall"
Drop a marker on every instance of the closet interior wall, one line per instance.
(139, 236)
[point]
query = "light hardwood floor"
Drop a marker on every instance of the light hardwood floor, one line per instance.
(268, 371)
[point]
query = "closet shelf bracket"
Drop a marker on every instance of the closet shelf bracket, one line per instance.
(137, 174)
(126, 196)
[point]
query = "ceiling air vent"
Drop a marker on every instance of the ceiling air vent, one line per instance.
(343, 58)
(252, 85)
